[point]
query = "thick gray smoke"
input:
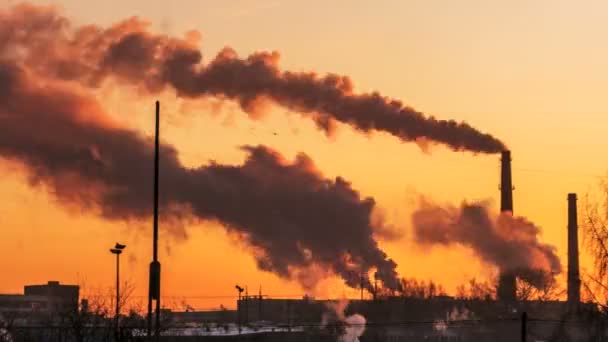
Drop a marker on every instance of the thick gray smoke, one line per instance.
(291, 215)
(510, 243)
(127, 51)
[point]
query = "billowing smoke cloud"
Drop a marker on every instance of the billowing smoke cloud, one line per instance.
(510, 243)
(128, 51)
(291, 215)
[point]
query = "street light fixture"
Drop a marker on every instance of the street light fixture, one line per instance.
(238, 306)
(117, 250)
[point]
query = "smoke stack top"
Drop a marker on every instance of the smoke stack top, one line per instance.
(572, 211)
(506, 183)
(574, 281)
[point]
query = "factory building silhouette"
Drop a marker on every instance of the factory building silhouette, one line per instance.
(389, 317)
(47, 299)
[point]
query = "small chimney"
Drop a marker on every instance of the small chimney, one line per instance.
(506, 281)
(574, 280)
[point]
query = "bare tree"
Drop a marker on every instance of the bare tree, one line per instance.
(550, 290)
(594, 284)
(475, 289)
(524, 290)
(127, 288)
(546, 288)
(420, 289)
(94, 321)
(595, 236)
(593, 290)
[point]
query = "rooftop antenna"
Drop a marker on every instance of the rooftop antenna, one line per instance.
(154, 283)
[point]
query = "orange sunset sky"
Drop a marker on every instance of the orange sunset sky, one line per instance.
(532, 73)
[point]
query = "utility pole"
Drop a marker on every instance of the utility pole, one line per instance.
(154, 280)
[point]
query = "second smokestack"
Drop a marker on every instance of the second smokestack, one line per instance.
(506, 282)
(574, 280)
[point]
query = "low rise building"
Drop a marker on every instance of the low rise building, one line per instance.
(51, 299)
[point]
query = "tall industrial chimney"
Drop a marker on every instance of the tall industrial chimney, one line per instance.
(506, 183)
(506, 281)
(574, 280)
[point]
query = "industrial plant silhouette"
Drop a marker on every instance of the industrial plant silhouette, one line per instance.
(293, 215)
(391, 314)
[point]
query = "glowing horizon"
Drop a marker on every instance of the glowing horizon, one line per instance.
(510, 88)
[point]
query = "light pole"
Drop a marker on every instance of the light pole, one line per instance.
(238, 307)
(154, 280)
(117, 250)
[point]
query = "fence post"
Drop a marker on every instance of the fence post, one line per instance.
(524, 326)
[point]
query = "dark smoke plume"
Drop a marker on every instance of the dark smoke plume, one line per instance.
(129, 52)
(509, 243)
(291, 215)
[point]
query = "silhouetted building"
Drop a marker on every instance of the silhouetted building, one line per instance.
(61, 297)
(441, 318)
(48, 299)
(281, 311)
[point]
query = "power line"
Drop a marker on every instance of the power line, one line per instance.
(556, 172)
(221, 296)
(560, 173)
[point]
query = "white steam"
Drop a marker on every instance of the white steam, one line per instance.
(355, 327)
(442, 326)
(352, 327)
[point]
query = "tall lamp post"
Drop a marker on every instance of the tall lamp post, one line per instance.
(238, 307)
(117, 250)
(154, 280)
